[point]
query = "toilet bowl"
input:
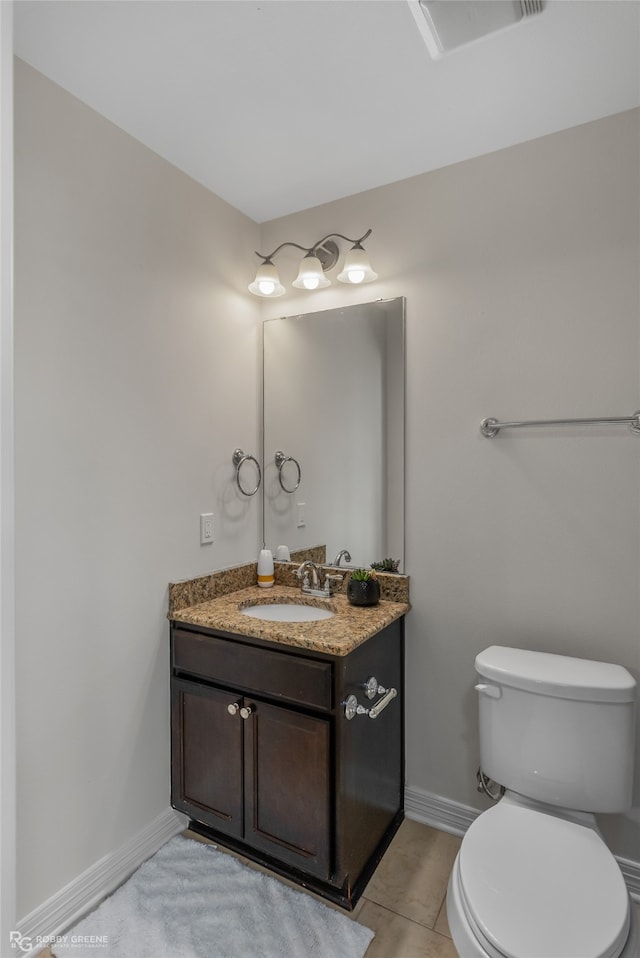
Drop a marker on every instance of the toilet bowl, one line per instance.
(530, 884)
(533, 877)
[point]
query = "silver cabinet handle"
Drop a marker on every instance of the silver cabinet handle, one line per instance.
(233, 709)
(352, 708)
(246, 711)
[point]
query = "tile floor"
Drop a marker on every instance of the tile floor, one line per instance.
(404, 903)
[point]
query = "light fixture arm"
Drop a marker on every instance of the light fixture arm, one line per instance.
(268, 258)
(356, 242)
(311, 249)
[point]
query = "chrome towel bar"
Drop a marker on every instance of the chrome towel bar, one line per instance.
(491, 427)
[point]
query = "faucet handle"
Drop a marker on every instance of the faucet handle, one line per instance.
(331, 580)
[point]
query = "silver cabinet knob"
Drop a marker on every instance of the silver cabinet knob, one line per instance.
(246, 711)
(233, 709)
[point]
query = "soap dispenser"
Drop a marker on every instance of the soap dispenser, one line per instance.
(265, 569)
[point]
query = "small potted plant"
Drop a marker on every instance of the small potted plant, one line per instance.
(363, 587)
(387, 565)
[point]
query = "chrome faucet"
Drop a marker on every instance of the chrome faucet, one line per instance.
(314, 585)
(303, 574)
(345, 553)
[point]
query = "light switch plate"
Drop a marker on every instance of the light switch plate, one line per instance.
(206, 528)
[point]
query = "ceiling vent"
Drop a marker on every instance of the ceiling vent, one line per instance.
(446, 25)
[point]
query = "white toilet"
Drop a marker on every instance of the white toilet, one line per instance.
(533, 877)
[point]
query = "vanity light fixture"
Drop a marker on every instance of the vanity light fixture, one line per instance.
(318, 259)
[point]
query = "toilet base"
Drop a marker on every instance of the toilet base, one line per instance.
(467, 944)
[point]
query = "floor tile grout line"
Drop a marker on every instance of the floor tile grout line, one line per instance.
(413, 921)
(443, 907)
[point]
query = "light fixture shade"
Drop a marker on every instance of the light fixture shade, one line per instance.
(357, 268)
(267, 282)
(311, 275)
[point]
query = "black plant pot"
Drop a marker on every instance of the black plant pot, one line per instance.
(363, 591)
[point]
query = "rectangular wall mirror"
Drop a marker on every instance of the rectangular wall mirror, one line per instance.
(333, 431)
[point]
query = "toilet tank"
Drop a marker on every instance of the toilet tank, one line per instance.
(557, 729)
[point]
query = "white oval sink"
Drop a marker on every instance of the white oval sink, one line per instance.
(287, 612)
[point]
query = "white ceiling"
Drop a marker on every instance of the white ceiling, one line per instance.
(281, 105)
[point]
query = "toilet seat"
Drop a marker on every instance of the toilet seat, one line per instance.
(517, 864)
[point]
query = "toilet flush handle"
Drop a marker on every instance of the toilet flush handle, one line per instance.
(493, 691)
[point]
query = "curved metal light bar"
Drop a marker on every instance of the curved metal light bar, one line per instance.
(318, 259)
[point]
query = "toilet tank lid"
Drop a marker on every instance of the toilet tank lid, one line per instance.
(561, 676)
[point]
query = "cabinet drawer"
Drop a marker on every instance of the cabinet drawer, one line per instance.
(279, 674)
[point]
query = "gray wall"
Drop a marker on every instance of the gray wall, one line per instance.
(136, 377)
(521, 273)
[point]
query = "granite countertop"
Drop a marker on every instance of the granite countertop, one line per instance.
(339, 635)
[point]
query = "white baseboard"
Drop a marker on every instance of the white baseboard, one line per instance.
(441, 813)
(81, 895)
(454, 817)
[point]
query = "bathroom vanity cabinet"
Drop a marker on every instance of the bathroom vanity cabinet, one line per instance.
(265, 760)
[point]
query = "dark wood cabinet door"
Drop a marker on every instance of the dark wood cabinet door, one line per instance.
(207, 756)
(287, 786)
